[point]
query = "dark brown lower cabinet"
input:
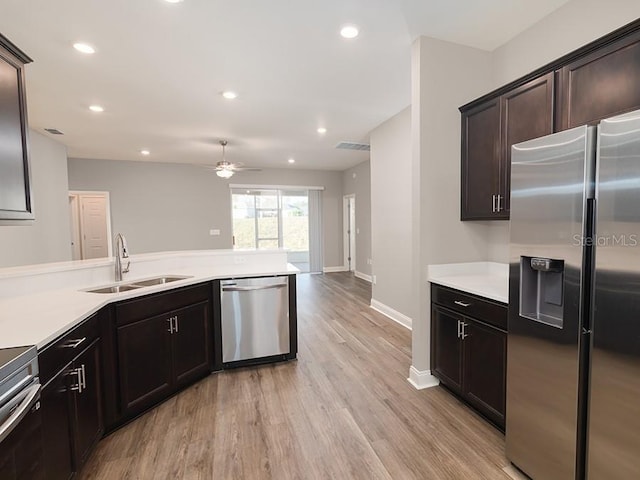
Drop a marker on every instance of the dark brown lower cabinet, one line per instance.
(469, 355)
(447, 348)
(72, 414)
(160, 354)
(56, 427)
(484, 363)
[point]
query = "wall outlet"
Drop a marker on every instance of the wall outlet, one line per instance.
(214, 232)
(239, 260)
(357, 231)
(373, 279)
(369, 262)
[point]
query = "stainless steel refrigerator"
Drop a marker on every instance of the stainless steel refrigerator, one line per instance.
(573, 366)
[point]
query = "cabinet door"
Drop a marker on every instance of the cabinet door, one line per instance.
(191, 343)
(602, 84)
(88, 404)
(485, 350)
(144, 356)
(481, 157)
(56, 427)
(527, 112)
(446, 347)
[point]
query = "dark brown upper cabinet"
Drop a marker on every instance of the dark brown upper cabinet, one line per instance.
(481, 161)
(15, 182)
(595, 82)
(489, 129)
(601, 84)
(527, 112)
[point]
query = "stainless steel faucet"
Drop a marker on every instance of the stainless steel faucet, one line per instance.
(121, 249)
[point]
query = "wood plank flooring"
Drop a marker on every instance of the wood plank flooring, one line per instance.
(344, 410)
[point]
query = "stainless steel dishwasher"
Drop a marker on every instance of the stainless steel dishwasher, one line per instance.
(255, 318)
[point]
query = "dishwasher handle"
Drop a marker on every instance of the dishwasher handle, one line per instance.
(251, 289)
(18, 410)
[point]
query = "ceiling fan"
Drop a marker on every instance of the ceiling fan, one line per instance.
(225, 169)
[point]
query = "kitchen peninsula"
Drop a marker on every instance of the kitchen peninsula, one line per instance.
(106, 354)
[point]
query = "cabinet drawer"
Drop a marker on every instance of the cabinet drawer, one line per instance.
(488, 311)
(61, 351)
(159, 303)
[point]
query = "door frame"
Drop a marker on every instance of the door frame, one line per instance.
(348, 241)
(77, 217)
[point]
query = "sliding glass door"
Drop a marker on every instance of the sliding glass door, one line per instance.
(268, 218)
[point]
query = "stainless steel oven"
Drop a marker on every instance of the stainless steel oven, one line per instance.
(20, 417)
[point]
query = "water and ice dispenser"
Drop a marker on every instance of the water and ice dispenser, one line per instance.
(541, 290)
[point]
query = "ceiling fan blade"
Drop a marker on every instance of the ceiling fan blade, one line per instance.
(247, 169)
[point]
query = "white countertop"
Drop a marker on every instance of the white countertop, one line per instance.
(47, 300)
(486, 279)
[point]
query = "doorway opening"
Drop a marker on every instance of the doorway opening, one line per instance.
(90, 216)
(350, 232)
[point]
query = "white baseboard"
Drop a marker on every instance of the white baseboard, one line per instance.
(422, 379)
(394, 315)
(335, 269)
(363, 276)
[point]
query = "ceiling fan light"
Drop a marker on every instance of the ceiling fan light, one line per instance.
(225, 173)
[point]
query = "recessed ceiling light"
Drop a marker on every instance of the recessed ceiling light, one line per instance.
(349, 31)
(173, 1)
(96, 108)
(84, 48)
(145, 152)
(292, 160)
(322, 130)
(229, 95)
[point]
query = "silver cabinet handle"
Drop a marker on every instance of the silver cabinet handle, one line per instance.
(78, 386)
(493, 203)
(459, 330)
(20, 410)
(249, 289)
(173, 324)
(499, 207)
(74, 343)
(462, 304)
(83, 380)
(463, 333)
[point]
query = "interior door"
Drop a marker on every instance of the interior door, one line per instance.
(93, 226)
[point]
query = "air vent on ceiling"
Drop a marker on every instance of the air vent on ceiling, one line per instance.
(354, 146)
(54, 131)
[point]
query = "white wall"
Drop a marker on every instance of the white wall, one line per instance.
(573, 25)
(160, 206)
(444, 76)
(357, 181)
(48, 238)
(391, 211)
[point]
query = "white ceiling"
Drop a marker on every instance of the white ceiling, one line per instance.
(160, 67)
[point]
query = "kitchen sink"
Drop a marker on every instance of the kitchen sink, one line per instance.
(159, 280)
(114, 289)
(133, 285)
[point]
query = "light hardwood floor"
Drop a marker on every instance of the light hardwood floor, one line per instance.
(344, 410)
